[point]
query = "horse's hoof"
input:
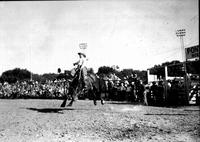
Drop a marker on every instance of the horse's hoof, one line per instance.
(69, 105)
(95, 103)
(102, 102)
(62, 106)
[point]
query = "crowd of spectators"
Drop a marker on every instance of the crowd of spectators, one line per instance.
(129, 88)
(126, 89)
(32, 89)
(174, 93)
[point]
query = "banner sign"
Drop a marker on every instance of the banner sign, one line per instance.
(192, 52)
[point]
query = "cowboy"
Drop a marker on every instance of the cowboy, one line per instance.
(81, 67)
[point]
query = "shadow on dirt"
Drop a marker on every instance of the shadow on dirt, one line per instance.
(191, 110)
(50, 110)
(167, 114)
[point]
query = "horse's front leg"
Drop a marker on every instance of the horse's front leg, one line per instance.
(73, 97)
(66, 98)
(63, 103)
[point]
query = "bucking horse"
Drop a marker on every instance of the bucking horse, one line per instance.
(94, 87)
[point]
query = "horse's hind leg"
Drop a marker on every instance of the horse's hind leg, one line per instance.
(71, 102)
(94, 97)
(94, 100)
(102, 102)
(101, 97)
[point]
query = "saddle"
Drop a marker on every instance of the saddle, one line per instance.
(77, 77)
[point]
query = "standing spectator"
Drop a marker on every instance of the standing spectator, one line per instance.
(141, 91)
(147, 95)
(131, 81)
(122, 92)
(173, 98)
(167, 92)
(160, 94)
(154, 90)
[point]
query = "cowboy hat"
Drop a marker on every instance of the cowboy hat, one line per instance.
(80, 53)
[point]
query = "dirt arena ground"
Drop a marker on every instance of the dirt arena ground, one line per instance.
(44, 121)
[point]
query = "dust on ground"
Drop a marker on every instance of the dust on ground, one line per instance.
(44, 121)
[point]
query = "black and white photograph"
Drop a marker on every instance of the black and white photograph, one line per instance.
(99, 71)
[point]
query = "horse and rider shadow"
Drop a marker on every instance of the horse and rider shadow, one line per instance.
(50, 110)
(56, 110)
(93, 86)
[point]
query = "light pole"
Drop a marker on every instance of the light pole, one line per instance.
(180, 33)
(31, 76)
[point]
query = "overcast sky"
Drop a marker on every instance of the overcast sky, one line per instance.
(43, 36)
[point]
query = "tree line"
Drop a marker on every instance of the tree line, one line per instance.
(175, 68)
(17, 74)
